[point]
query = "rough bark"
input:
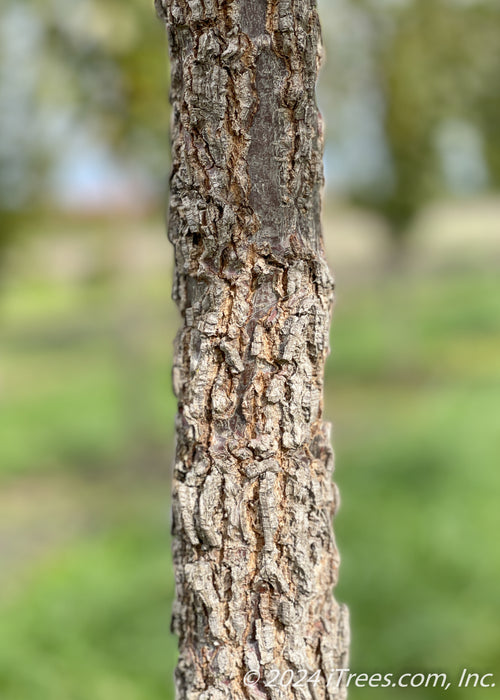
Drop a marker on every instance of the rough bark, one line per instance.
(254, 552)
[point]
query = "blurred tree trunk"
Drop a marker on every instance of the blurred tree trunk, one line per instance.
(254, 552)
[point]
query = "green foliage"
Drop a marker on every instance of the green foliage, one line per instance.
(424, 71)
(439, 67)
(97, 74)
(93, 622)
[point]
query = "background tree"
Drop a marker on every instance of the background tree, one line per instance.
(93, 86)
(82, 95)
(254, 552)
(415, 84)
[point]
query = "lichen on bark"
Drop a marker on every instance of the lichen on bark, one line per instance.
(254, 552)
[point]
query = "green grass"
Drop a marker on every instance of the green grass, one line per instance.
(414, 391)
(92, 622)
(79, 388)
(413, 388)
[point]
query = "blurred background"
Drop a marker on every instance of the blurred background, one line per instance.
(411, 98)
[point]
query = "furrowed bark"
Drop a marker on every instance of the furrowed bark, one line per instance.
(254, 552)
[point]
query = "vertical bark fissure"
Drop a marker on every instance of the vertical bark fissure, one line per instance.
(254, 553)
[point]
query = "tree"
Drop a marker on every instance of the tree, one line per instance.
(91, 78)
(415, 113)
(254, 552)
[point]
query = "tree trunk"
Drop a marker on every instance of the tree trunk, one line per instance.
(254, 553)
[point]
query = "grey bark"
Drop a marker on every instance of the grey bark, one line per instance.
(254, 552)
